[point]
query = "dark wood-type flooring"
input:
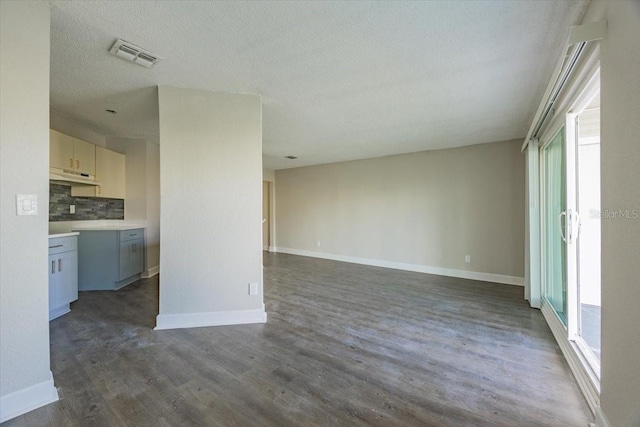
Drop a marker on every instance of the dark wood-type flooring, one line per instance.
(344, 345)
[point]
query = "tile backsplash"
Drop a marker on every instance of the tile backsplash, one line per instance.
(87, 208)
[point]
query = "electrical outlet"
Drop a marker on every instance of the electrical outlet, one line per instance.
(467, 258)
(253, 289)
(72, 209)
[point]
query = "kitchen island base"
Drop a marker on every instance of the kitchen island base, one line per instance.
(109, 258)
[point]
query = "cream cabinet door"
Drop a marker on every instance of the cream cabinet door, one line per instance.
(110, 173)
(84, 157)
(60, 150)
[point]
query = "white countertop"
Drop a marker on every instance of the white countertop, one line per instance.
(109, 228)
(55, 236)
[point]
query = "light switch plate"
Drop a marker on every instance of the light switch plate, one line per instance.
(72, 209)
(26, 204)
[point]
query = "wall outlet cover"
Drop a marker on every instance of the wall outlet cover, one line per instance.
(253, 289)
(467, 258)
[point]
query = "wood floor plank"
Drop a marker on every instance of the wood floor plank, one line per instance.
(345, 344)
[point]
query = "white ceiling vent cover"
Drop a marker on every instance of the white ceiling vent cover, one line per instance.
(133, 53)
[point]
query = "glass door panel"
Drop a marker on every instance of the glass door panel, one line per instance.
(588, 206)
(554, 217)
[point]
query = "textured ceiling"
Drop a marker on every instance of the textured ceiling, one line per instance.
(338, 80)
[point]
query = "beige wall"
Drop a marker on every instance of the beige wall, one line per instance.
(25, 377)
(427, 209)
(268, 175)
(620, 189)
(211, 178)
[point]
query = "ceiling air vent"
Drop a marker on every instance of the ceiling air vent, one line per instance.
(133, 53)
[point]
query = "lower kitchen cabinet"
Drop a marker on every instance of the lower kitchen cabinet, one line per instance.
(131, 260)
(110, 258)
(63, 275)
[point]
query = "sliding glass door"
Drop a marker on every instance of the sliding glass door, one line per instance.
(570, 224)
(587, 204)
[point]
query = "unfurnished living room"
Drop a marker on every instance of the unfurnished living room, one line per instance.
(311, 213)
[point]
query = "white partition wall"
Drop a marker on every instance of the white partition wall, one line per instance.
(210, 208)
(620, 166)
(25, 378)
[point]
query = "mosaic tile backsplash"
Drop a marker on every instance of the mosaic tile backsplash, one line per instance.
(87, 208)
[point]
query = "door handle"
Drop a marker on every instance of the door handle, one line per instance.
(53, 267)
(560, 226)
(77, 164)
(59, 264)
(71, 163)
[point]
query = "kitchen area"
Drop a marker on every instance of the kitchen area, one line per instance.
(103, 212)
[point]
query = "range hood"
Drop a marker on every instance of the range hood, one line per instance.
(72, 178)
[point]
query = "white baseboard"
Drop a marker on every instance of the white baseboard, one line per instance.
(214, 318)
(463, 274)
(601, 418)
(151, 272)
(587, 384)
(29, 398)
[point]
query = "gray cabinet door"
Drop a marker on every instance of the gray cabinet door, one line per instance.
(131, 258)
(125, 260)
(67, 272)
(63, 275)
(136, 256)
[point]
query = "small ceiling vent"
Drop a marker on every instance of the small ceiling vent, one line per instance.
(133, 53)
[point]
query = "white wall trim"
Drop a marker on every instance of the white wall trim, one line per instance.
(601, 418)
(151, 272)
(214, 318)
(463, 274)
(27, 399)
(587, 384)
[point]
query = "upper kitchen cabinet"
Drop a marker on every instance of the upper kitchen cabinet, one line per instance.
(110, 173)
(60, 150)
(71, 154)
